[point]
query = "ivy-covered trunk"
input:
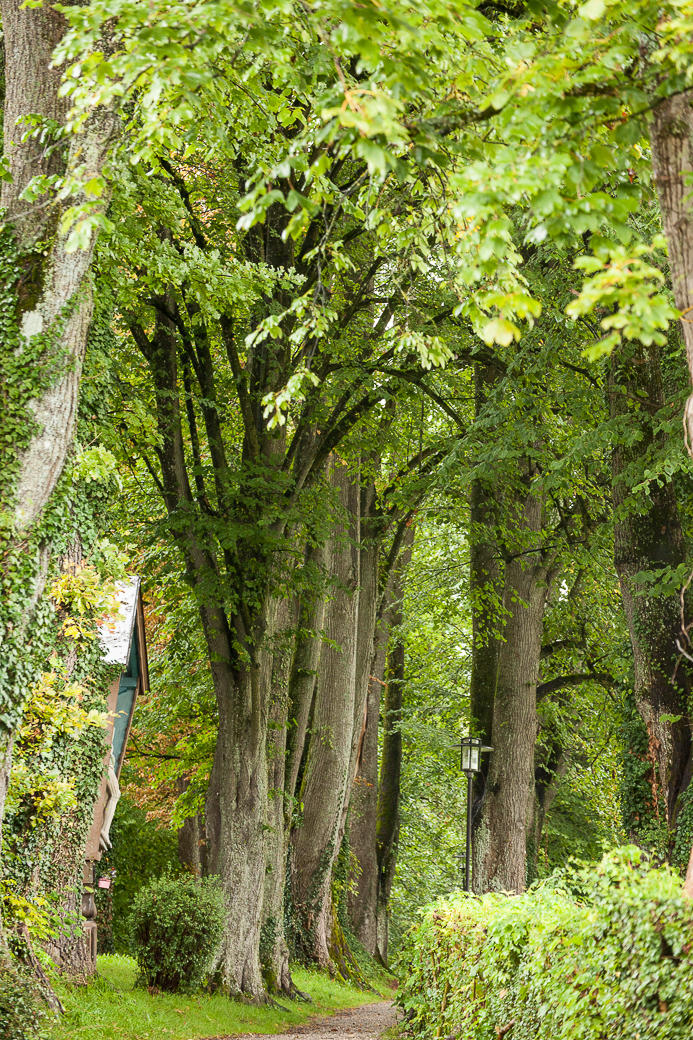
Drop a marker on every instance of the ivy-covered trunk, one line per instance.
(648, 540)
(44, 321)
(326, 780)
(501, 842)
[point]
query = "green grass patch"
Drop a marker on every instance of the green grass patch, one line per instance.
(111, 1008)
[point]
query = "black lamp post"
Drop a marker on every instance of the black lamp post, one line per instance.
(470, 763)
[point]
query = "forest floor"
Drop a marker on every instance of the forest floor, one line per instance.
(112, 1008)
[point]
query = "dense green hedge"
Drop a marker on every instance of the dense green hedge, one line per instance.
(601, 954)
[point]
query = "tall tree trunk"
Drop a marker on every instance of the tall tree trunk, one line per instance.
(43, 331)
(387, 824)
(363, 897)
(327, 777)
(648, 537)
(369, 555)
(671, 137)
(274, 951)
(236, 819)
(304, 669)
(501, 842)
(373, 630)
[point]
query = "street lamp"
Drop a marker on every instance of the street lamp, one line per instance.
(471, 749)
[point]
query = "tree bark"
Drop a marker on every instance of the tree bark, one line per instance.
(671, 137)
(327, 778)
(364, 806)
(373, 630)
(389, 787)
(274, 951)
(304, 670)
(501, 843)
(648, 537)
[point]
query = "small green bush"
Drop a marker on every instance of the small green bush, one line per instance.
(176, 927)
(584, 955)
(20, 1014)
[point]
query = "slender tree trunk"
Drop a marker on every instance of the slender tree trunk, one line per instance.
(387, 825)
(364, 806)
(369, 555)
(327, 778)
(191, 844)
(549, 769)
(501, 843)
(648, 537)
(304, 670)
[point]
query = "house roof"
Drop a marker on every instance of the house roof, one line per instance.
(116, 636)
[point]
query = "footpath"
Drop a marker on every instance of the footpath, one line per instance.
(367, 1022)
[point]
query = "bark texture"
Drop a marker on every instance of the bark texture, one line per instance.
(650, 539)
(671, 137)
(363, 817)
(389, 787)
(327, 775)
(274, 951)
(54, 298)
(500, 849)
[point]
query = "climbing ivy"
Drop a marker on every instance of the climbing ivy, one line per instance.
(58, 681)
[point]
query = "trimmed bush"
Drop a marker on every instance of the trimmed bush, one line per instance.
(176, 927)
(20, 1015)
(603, 954)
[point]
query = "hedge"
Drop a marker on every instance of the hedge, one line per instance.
(600, 954)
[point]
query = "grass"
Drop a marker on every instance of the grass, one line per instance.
(111, 1008)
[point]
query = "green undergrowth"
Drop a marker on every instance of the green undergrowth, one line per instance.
(111, 1008)
(585, 955)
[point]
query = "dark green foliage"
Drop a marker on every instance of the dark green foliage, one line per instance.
(643, 821)
(140, 852)
(585, 954)
(176, 928)
(20, 1015)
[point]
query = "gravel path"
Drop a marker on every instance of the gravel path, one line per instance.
(363, 1023)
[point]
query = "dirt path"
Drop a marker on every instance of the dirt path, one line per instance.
(367, 1022)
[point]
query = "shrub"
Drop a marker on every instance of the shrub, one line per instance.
(140, 852)
(20, 1015)
(580, 956)
(176, 927)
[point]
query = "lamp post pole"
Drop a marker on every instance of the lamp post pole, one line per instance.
(467, 872)
(470, 763)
